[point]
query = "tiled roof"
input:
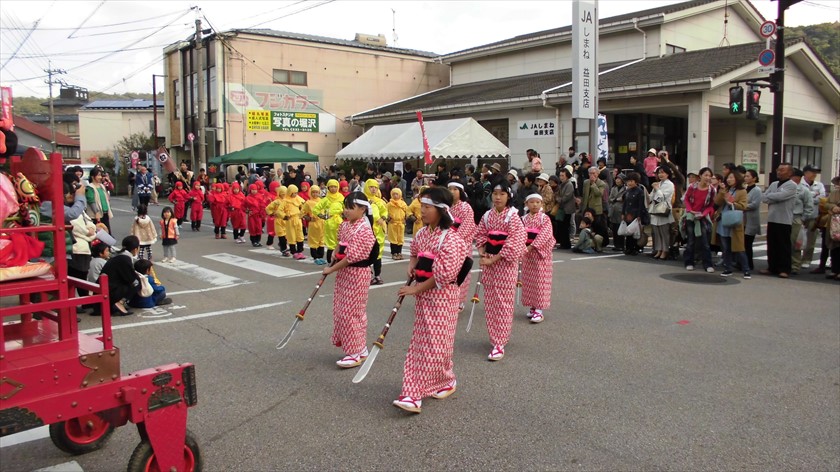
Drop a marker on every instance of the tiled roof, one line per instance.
(568, 29)
(136, 104)
(65, 102)
(59, 118)
(335, 41)
(688, 66)
(43, 132)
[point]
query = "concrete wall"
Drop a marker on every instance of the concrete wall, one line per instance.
(705, 30)
(100, 130)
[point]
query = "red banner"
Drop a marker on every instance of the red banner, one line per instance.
(166, 160)
(427, 154)
(6, 120)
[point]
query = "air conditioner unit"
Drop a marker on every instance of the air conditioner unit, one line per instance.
(371, 40)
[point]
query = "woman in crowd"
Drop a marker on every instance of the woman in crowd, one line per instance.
(123, 282)
(832, 208)
(752, 218)
(634, 207)
(699, 207)
(616, 202)
(565, 198)
(663, 192)
(731, 238)
(99, 204)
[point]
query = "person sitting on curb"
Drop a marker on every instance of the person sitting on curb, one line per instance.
(587, 240)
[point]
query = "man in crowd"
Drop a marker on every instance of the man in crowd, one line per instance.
(817, 192)
(779, 198)
(143, 186)
(804, 213)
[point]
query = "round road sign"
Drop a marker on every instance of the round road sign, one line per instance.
(135, 155)
(767, 57)
(768, 28)
(191, 137)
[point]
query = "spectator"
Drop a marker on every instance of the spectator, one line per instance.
(98, 202)
(779, 198)
(592, 196)
(814, 229)
(565, 199)
(144, 185)
(804, 213)
(640, 169)
(123, 282)
(832, 208)
(634, 208)
(663, 193)
(614, 214)
(731, 238)
(158, 296)
(650, 164)
(699, 207)
(587, 242)
(752, 218)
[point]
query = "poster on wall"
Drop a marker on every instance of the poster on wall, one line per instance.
(749, 159)
(536, 129)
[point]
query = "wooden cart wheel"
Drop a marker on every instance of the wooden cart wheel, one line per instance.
(81, 435)
(143, 458)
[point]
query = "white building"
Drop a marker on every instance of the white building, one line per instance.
(664, 83)
(103, 123)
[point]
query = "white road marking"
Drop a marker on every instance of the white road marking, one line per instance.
(205, 275)
(251, 264)
(189, 317)
(586, 258)
(71, 466)
(202, 290)
(25, 436)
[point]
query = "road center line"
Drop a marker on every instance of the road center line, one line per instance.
(202, 290)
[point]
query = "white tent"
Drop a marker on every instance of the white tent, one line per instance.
(461, 138)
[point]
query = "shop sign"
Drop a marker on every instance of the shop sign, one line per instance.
(749, 159)
(584, 60)
(536, 129)
(295, 122)
(259, 120)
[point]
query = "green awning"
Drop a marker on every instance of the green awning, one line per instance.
(266, 152)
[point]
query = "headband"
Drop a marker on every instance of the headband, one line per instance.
(499, 187)
(534, 195)
(363, 203)
(455, 184)
(429, 201)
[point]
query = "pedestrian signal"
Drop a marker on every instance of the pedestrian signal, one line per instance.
(753, 108)
(736, 100)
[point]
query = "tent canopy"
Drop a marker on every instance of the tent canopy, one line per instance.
(268, 151)
(459, 138)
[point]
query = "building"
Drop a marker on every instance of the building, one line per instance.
(31, 134)
(290, 88)
(65, 109)
(665, 75)
(104, 123)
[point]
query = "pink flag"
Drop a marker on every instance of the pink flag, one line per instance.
(166, 160)
(427, 154)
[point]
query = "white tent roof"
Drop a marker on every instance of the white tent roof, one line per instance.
(461, 138)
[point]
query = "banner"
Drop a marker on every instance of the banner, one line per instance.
(427, 154)
(165, 160)
(603, 144)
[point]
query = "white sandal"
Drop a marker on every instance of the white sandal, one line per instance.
(408, 404)
(446, 391)
(497, 353)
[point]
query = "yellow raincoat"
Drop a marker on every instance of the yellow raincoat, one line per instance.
(277, 209)
(414, 210)
(294, 225)
(316, 225)
(380, 212)
(331, 208)
(397, 212)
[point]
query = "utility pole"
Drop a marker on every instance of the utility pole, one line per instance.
(777, 79)
(154, 107)
(50, 72)
(202, 118)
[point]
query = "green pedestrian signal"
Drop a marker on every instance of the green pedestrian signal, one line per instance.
(736, 100)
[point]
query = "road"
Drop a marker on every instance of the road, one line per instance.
(633, 369)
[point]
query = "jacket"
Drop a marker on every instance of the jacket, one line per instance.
(593, 196)
(144, 229)
(735, 232)
(803, 204)
(616, 202)
(634, 204)
(779, 198)
(665, 192)
(565, 197)
(752, 217)
(82, 228)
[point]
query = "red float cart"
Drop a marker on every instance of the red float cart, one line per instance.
(51, 374)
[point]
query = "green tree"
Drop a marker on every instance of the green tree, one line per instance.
(825, 39)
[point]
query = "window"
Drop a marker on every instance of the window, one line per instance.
(71, 128)
(300, 146)
(176, 92)
(671, 49)
(211, 89)
(801, 156)
(291, 77)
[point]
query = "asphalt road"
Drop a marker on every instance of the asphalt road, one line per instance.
(633, 369)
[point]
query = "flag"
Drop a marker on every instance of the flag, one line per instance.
(427, 154)
(117, 163)
(166, 160)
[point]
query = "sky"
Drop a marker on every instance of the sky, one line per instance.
(116, 46)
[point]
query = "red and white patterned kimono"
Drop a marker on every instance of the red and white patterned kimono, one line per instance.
(428, 363)
(499, 279)
(466, 230)
(536, 263)
(350, 295)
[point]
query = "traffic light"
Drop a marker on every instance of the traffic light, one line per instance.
(736, 100)
(753, 108)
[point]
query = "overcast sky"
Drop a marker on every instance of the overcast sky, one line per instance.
(116, 46)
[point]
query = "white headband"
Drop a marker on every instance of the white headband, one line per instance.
(429, 201)
(534, 195)
(455, 184)
(363, 203)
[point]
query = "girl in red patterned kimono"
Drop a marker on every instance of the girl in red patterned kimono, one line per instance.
(219, 202)
(196, 197)
(236, 200)
(437, 253)
(352, 282)
(179, 197)
(255, 209)
(501, 242)
(536, 263)
(464, 225)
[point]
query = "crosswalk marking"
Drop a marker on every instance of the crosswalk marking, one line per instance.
(251, 264)
(205, 275)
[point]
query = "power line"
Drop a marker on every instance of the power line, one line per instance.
(133, 22)
(292, 13)
(28, 34)
(86, 53)
(70, 36)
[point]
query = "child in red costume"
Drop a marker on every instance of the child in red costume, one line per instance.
(196, 197)
(179, 198)
(219, 203)
(237, 212)
(255, 209)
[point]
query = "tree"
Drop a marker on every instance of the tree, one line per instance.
(134, 142)
(825, 38)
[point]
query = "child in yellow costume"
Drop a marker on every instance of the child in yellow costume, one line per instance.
(277, 209)
(294, 224)
(330, 209)
(380, 225)
(316, 225)
(414, 212)
(397, 212)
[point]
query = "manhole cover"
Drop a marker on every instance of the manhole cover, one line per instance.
(700, 278)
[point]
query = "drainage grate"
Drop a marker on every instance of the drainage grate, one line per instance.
(701, 278)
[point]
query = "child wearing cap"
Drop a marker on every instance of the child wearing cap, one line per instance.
(315, 225)
(397, 211)
(179, 198)
(294, 225)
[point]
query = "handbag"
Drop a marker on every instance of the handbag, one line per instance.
(731, 217)
(146, 289)
(660, 209)
(834, 228)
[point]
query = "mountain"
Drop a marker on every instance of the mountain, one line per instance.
(32, 105)
(825, 38)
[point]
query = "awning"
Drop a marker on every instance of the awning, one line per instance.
(460, 138)
(266, 152)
